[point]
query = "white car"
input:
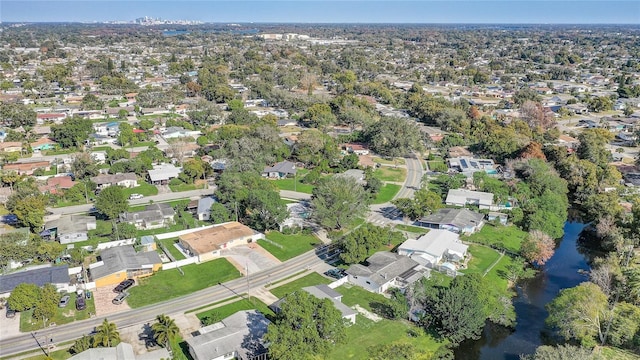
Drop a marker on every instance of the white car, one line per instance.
(135, 196)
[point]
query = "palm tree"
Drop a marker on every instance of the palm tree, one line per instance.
(81, 344)
(164, 330)
(106, 335)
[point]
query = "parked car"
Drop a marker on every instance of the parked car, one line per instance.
(335, 273)
(81, 304)
(64, 301)
(88, 294)
(135, 196)
(120, 298)
(10, 313)
(124, 285)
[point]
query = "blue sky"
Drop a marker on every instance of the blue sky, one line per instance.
(320, 11)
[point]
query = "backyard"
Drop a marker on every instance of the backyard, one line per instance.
(168, 284)
(295, 183)
(502, 237)
(169, 245)
(292, 245)
(142, 189)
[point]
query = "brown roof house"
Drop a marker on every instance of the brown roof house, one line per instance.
(207, 244)
(127, 180)
(27, 168)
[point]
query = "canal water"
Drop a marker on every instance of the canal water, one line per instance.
(564, 270)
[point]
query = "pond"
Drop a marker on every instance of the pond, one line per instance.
(564, 270)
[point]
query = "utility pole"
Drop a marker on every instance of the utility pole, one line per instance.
(248, 284)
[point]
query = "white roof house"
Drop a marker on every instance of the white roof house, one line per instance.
(433, 247)
(163, 173)
(462, 197)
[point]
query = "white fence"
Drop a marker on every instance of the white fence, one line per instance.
(181, 232)
(109, 244)
(183, 262)
(339, 282)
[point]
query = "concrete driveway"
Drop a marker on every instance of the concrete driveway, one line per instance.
(251, 256)
(9, 327)
(103, 296)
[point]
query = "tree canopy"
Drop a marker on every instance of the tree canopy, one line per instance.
(112, 201)
(338, 201)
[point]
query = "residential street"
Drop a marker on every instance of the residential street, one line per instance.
(173, 308)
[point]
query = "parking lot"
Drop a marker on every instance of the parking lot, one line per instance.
(103, 297)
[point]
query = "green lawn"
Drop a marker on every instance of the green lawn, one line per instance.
(386, 173)
(101, 148)
(295, 183)
(366, 333)
(143, 189)
(58, 152)
(63, 315)
(292, 245)
(481, 258)
(224, 311)
(185, 187)
(411, 229)
(507, 237)
(386, 193)
(168, 244)
(168, 284)
(61, 354)
(308, 280)
(437, 165)
(612, 353)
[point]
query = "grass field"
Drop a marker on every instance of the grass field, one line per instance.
(481, 258)
(386, 193)
(185, 187)
(366, 333)
(295, 183)
(308, 280)
(292, 245)
(437, 165)
(507, 237)
(224, 311)
(168, 244)
(411, 229)
(612, 353)
(143, 189)
(63, 315)
(168, 284)
(386, 173)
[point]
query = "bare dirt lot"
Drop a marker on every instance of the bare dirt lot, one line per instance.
(103, 297)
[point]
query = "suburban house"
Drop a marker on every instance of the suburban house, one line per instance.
(57, 183)
(154, 216)
(127, 180)
(462, 221)
(122, 351)
(27, 168)
(463, 197)
(385, 270)
(569, 142)
(280, 170)
(58, 276)
(56, 118)
(162, 173)
(358, 149)
(119, 263)
(435, 247)
(203, 211)
(44, 143)
(239, 336)
(69, 228)
(501, 217)
(174, 132)
(469, 165)
(207, 244)
(324, 292)
(11, 146)
(355, 174)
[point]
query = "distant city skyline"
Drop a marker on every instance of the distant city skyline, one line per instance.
(318, 11)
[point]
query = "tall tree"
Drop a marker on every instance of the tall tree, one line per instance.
(107, 334)
(72, 132)
(112, 201)
(48, 304)
(24, 297)
(338, 201)
(164, 330)
(305, 327)
(538, 247)
(580, 313)
(394, 136)
(82, 344)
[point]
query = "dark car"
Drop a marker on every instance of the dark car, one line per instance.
(81, 304)
(88, 294)
(124, 285)
(11, 313)
(336, 273)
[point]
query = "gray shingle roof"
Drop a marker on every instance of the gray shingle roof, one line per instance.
(121, 258)
(48, 275)
(459, 217)
(241, 332)
(283, 167)
(383, 266)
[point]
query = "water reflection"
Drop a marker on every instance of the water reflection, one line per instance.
(564, 270)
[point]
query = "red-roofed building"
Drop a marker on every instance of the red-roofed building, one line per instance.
(55, 117)
(55, 184)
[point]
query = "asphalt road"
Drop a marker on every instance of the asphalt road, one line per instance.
(138, 317)
(77, 209)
